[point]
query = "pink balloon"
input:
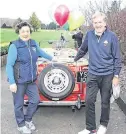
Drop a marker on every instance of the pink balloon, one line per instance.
(61, 14)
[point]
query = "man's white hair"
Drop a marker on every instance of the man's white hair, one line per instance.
(99, 14)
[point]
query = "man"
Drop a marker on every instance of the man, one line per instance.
(62, 39)
(103, 72)
(78, 38)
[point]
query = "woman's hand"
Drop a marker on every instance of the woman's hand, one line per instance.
(13, 88)
(54, 59)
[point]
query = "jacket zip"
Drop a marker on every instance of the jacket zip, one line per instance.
(18, 73)
(31, 63)
(99, 39)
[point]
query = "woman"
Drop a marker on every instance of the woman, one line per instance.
(21, 71)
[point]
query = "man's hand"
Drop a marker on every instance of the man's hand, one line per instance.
(115, 81)
(13, 88)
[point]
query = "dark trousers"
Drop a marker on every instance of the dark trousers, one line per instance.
(30, 89)
(94, 84)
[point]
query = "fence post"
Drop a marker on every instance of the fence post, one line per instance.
(3, 60)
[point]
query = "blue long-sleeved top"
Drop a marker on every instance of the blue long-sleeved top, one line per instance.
(104, 53)
(12, 56)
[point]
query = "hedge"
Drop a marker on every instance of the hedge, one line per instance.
(4, 50)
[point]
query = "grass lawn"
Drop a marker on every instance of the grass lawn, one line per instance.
(42, 36)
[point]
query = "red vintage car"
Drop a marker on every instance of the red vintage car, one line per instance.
(62, 83)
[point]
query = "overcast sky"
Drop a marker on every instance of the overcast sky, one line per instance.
(24, 8)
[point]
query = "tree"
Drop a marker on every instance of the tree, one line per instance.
(4, 25)
(51, 25)
(92, 6)
(35, 22)
(43, 26)
(19, 20)
(117, 23)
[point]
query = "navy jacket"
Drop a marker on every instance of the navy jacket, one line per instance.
(21, 61)
(25, 65)
(104, 53)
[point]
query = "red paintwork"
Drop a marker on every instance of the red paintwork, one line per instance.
(77, 90)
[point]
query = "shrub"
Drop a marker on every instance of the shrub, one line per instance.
(4, 50)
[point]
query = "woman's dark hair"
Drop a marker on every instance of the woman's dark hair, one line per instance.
(22, 24)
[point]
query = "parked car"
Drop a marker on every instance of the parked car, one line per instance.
(62, 83)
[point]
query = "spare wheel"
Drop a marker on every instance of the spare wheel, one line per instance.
(56, 81)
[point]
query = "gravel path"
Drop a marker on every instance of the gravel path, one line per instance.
(123, 83)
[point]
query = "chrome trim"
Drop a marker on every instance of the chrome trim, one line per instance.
(57, 103)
